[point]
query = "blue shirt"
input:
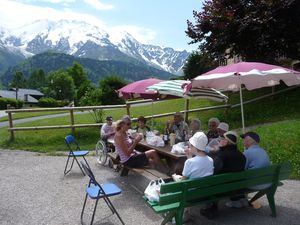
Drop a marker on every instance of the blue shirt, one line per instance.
(256, 157)
(198, 166)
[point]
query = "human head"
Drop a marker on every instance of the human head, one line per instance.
(141, 121)
(109, 120)
(199, 141)
(250, 138)
(222, 128)
(178, 117)
(230, 138)
(127, 121)
(195, 125)
(213, 123)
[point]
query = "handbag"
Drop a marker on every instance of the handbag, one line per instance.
(152, 191)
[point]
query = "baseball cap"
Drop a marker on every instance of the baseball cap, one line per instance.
(223, 126)
(109, 118)
(253, 135)
(231, 136)
(199, 141)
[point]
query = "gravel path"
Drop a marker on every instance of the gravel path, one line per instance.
(35, 192)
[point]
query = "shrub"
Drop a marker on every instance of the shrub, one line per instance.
(4, 102)
(49, 102)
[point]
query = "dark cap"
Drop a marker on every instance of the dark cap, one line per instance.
(232, 137)
(109, 118)
(253, 135)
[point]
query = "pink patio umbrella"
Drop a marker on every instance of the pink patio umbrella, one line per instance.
(252, 75)
(138, 89)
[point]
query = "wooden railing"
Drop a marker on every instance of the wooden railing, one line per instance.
(71, 110)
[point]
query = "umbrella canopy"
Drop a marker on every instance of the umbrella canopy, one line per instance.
(137, 89)
(178, 88)
(252, 75)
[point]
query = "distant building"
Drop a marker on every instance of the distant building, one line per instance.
(29, 96)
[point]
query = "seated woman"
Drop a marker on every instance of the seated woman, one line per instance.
(141, 126)
(195, 126)
(125, 147)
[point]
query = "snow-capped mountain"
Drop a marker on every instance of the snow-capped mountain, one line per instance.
(88, 41)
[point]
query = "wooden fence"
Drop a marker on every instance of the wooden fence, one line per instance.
(126, 106)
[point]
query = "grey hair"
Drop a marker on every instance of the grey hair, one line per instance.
(197, 122)
(216, 120)
(126, 119)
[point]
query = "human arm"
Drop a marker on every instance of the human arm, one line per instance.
(218, 165)
(120, 141)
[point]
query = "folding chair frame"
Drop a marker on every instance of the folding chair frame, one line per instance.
(71, 154)
(93, 181)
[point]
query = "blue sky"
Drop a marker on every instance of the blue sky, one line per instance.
(161, 22)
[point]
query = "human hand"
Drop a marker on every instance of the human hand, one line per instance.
(138, 138)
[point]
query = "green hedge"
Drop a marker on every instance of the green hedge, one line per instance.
(4, 102)
(51, 102)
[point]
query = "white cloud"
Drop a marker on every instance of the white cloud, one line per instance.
(99, 5)
(16, 14)
(141, 34)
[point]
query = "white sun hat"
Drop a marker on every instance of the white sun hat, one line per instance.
(224, 126)
(199, 140)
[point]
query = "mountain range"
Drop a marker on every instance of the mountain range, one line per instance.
(82, 40)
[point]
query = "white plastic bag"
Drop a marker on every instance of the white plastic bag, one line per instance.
(154, 140)
(178, 148)
(152, 191)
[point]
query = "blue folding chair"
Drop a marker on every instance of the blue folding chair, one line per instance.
(97, 191)
(74, 152)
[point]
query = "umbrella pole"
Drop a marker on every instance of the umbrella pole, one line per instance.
(242, 109)
(152, 115)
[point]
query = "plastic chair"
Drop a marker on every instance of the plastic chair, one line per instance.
(97, 191)
(74, 152)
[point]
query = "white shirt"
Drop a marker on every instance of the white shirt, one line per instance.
(198, 166)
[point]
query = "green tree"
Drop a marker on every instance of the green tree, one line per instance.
(37, 79)
(109, 86)
(78, 74)
(197, 64)
(18, 80)
(61, 86)
(258, 30)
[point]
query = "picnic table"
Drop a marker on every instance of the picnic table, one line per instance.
(174, 161)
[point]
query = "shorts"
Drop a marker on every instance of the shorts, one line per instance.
(136, 161)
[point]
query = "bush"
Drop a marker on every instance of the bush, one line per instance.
(48, 102)
(4, 102)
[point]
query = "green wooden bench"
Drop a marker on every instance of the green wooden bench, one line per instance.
(175, 196)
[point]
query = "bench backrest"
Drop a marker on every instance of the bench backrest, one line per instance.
(190, 190)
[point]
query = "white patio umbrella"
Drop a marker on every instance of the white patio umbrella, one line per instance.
(252, 75)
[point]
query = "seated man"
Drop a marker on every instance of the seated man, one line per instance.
(107, 129)
(195, 126)
(141, 127)
(213, 123)
(178, 127)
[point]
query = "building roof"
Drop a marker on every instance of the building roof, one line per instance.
(28, 91)
(21, 96)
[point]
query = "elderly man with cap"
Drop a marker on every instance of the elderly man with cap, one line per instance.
(178, 127)
(108, 129)
(256, 157)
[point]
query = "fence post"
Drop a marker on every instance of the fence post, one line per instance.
(12, 134)
(72, 121)
(186, 109)
(128, 109)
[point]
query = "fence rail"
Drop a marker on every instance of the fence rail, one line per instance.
(126, 106)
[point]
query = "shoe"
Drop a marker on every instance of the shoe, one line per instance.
(209, 213)
(187, 217)
(241, 203)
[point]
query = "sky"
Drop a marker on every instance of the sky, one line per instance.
(158, 22)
